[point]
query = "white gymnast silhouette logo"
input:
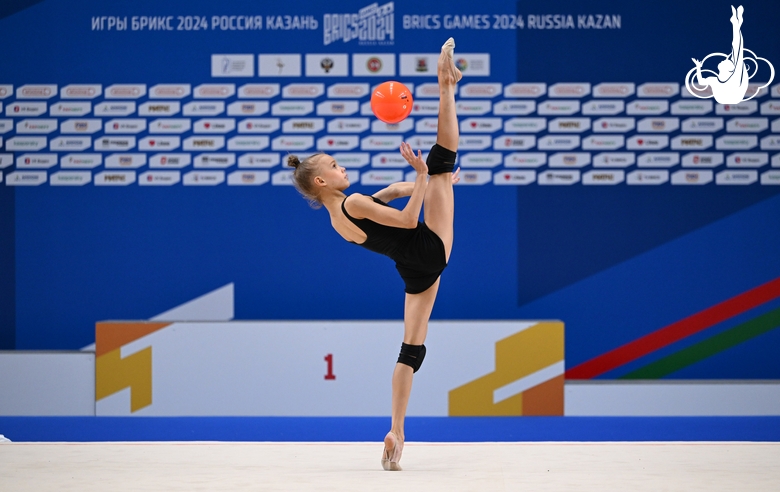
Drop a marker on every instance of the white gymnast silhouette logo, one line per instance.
(734, 72)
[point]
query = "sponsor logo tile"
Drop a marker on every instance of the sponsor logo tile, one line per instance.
(327, 65)
(352, 159)
(125, 91)
(303, 91)
(658, 159)
(736, 142)
(648, 106)
(658, 125)
(69, 143)
(524, 90)
(248, 178)
(25, 108)
(343, 108)
(514, 142)
(614, 159)
(378, 126)
(292, 143)
(339, 91)
(373, 65)
(245, 108)
(204, 108)
(279, 65)
(742, 109)
(81, 91)
(695, 107)
(470, 177)
(733, 177)
(25, 178)
(569, 159)
(770, 178)
(658, 89)
(81, 161)
(647, 142)
(115, 108)
(697, 142)
(695, 125)
(689, 177)
(36, 91)
(126, 125)
(258, 125)
(337, 142)
(603, 107)
(567, 90)
(292, 108)
(647, 177)
(481, 159)
(159, 108)
(36, 126)
(214, 91)
(204, 142)
(70, 108)
(559, 142)
(615, 89)
(525, 159)
(747, 125)
(380, 177)
(514, 108)
(36, 161)
(70, 178)
(214, 160)
(480, 125)
(558, 177)
(157, 142)
(114, 178)
(514, 177)
(702, 159)
(170, 125)
(25, 143)
(480, 90)
(166, 91)
(125, 161)
(251, 91)
(232, 65)
(159, 178)
(599, 177)
(214, 125)
(259, 160)
(204, 178)
(563, 107)
(248, 142)
(170, 161)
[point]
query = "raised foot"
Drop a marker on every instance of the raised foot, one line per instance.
(391, 455)
(447, 71)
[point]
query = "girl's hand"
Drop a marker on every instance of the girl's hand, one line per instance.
(416, 161)
(456, 176)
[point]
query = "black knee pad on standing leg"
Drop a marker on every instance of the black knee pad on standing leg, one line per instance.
(440, 160)
(412, 355)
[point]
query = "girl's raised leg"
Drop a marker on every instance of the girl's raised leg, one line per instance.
(439, 200)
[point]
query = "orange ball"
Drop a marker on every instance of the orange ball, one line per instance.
(391, 102)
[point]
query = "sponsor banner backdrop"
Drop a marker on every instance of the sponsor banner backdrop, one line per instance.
(592, 179)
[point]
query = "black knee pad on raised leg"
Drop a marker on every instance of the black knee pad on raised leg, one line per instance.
(440, 160)
(412, 355)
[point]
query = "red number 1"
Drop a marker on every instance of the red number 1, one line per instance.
(329, 360)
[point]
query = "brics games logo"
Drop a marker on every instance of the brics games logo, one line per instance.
(373, 25)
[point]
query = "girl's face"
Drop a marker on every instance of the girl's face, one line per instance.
(331, 174)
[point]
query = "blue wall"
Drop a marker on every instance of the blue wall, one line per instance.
(614, 263)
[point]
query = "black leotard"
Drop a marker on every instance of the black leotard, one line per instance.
(418, 253)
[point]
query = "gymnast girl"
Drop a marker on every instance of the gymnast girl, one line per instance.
(421, 250)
